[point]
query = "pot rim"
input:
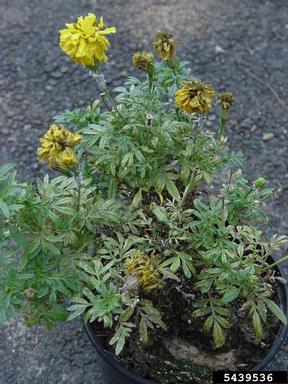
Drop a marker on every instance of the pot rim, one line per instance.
(275, 347)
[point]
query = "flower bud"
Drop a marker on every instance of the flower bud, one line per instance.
(30, 293)
(260, 182)
(227, 100)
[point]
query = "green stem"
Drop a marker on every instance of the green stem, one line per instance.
(248, 193)
(275, 263)
(187, 190)
(223, 121)
(150, 80)
(100, 79)
(172, 63)
(223, 212)
(211, 305)
(79, 197)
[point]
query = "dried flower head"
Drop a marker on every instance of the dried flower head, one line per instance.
(84, 41)
(143, 61)
(194, 96)
(57, 147)
(145, 268)
(165, 45)
(227, 100)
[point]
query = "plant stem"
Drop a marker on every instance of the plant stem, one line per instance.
(172, 63)
(187, 190)
(150, 79)
(275, 263)
(78, 197)
(102, 86)
(223, 121)
(211, 305)
(223, 211)
(248, 193)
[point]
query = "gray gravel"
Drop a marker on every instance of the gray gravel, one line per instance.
(37, 81)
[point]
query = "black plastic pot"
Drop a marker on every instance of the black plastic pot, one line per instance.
(114, 373)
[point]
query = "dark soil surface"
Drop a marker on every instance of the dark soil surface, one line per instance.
(185, 353)
(37, 81)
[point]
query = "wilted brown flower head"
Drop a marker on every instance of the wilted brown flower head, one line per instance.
(227, 100)
(194, 96)
(165, 45)
(143, 61)
(145, 268)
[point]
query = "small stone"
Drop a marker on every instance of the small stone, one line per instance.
(219, 49)
(212, 117)
(48, 87)
(64, 69)
(27, 127)
(56, 74)
(245, 124)
(267, 136)
(10, 113)
(124, 73)
(52, 81)
(253, 128)
(5, 131)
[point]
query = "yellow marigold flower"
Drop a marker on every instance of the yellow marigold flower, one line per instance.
(57, 147)
(194, 97)
(227, 100)
(145, 268)
(85, 41)
(165, 45)
(143, 61)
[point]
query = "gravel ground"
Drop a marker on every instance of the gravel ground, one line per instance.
(37, 81)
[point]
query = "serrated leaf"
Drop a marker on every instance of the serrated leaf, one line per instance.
(87, 267)
(120, 344)
(168, 274)
(77, 309)
(276, 310)
(4, 208)
(18, 236)
(175, 264)
(137, 199)
(143, 332)
(218, 335)
(201, 312)
(52, 248)
(230, 296)
(22, 262)
(161, 214)
(257, 325)
(262, 310)
(125, 316)
(58, 315)
(224, 323)
(207, 326)
(172, 189)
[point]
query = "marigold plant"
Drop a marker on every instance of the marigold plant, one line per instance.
(149, 205)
